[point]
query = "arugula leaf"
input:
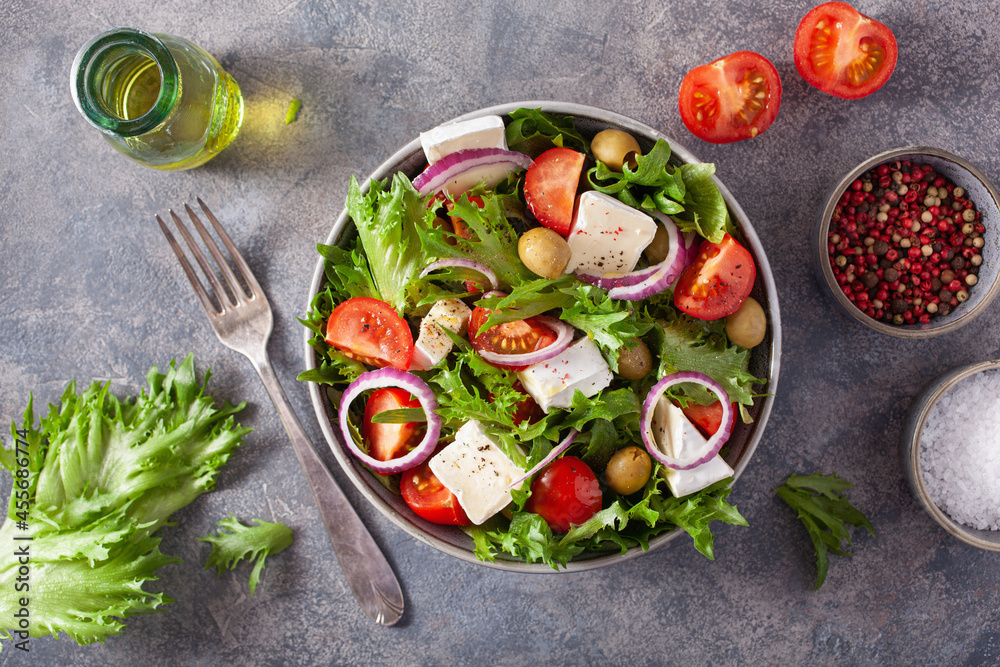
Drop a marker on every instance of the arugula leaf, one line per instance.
(532, 131)
(820, 501)
(104, 476)
(388, 222)
(237, 541)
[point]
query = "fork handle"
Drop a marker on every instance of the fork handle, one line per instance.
(368, 573)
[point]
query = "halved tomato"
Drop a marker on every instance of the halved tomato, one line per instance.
(389, 441)
(717, 282)
(843, 52)
(517, 337)
(730, 99)
(550, 187)
(708, 418)
(566, 493)
(370, 331)
(429, 498)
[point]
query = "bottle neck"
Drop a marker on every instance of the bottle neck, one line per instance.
(125, 82)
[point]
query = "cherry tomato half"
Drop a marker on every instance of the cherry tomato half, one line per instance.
(843, 52)
(565, 493)
(429, 498)
(388, 441)
(730, 99)
(550, 187)
(517, 337)
(717, 282)
(708, 418)
(370, 331)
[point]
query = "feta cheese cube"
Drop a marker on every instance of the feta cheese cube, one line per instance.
(433, 344)
(476, 470)
(676, 436)
(607, 236)
(686, 482)
(485, 132)
(580, 366)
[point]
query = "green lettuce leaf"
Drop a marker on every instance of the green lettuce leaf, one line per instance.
(103, 475)
(237, 541)
(387, 221)
(820, 501)
(532, 131)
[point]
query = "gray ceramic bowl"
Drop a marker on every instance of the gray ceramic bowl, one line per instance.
(978, 187)
(764, 361)
(910, 446)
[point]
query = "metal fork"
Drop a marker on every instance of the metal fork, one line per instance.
(242, 320)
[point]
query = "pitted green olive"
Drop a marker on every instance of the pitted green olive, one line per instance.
(635, 362)
(628, 470)
(615, 148)
(659, 247)
(748, 325)
(544, 252)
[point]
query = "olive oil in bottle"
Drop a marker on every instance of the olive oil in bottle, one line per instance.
(160, 100)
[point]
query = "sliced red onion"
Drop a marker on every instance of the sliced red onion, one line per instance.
(691, 243)
(391, 377)
(712, 445)
(564, 336)
(552, 456)
(457, 172)
(664, 273)
(465, 264)
(610, 281)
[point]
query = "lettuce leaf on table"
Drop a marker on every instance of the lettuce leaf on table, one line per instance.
(104, 475)
(236, 541)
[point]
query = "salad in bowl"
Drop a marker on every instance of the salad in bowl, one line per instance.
(544, 336)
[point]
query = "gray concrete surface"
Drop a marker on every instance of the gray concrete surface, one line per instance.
(89, 289)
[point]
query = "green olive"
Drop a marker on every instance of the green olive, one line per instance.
(615, 148)
(544, 252)
(659, 247)
(628, 470)
(748, 325)
(635, 362)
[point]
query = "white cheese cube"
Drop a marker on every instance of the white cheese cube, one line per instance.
(476, 470)
(676, 436)
(433, 344)
(485, 132)
(580, 366)
(673, 433)
(686, 482)
(607, 236)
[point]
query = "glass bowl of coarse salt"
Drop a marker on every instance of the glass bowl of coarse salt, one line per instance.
(951, 452)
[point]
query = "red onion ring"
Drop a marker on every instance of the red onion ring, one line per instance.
(552, 456)
(465, 264)
(712, 445)
(475, 164)
(391, 377)
(665, 273)
(564, 336)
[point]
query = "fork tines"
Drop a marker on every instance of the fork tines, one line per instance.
(230, 292)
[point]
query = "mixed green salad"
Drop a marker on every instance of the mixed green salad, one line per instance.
(457, 300)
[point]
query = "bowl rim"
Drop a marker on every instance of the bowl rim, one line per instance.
(912, 446)
(911, 331)
(390, 166)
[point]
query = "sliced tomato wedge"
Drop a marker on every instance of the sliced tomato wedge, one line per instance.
(371, 332)
(517, 337)
(730, 99)
(429, 498)
(708, 418)
(389, 441)
(718, 281)
(550, 187)
(843, 52)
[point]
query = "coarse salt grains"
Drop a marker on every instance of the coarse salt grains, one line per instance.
(960, 451)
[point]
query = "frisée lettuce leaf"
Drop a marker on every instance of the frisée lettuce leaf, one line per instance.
(101, 477)
(237, 541)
